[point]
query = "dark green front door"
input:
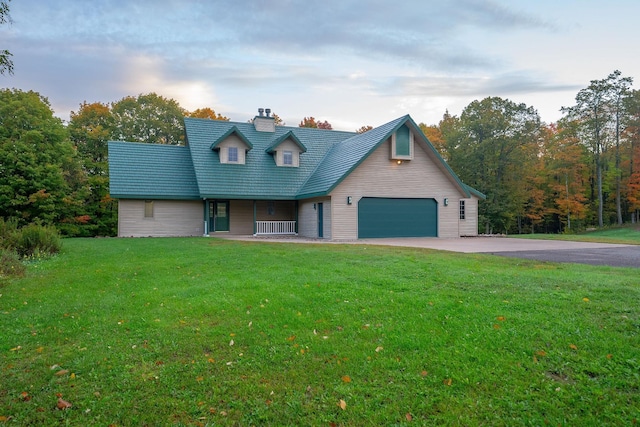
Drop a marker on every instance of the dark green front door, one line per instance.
(320, 221)
(219, 215)
(389, 217)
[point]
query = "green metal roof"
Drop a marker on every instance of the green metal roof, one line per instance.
(151, 171)
(194, 171)
(259, 178)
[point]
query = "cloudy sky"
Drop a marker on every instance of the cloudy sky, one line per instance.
(351, 62)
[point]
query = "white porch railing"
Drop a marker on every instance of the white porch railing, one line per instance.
(275, 227)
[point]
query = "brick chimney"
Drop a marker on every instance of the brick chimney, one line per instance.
(264, 123)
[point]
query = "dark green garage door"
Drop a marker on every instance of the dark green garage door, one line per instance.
(386, 217)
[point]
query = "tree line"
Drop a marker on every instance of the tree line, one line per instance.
(583, 171)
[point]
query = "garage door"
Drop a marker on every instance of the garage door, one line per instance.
(389, 217)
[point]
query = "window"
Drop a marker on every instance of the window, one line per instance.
(287, 158)
(462, 213)
(233, 154)
(271, 208)
(148, 208)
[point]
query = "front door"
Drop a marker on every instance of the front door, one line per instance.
(320, 221)
(219, 215)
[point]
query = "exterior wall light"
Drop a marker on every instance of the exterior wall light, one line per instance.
(349, 200)
(446, 201)
(314, 206)
(399, 162)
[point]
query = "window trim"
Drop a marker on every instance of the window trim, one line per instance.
(462, 208)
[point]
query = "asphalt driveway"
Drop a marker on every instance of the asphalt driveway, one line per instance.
(542, 250)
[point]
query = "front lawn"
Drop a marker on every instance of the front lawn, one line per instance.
(199, 331)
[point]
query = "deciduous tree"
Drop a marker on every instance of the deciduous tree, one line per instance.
(41, 179)
(492, 147)
(310, 122)
(148, 118)
(207, 113)
(6, 64)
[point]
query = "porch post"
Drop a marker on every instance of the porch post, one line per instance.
(295, 216)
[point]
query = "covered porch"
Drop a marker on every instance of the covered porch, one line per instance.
(251, 217)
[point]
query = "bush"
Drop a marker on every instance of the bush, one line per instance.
(7, 228)
(10, 264)
(35, 240)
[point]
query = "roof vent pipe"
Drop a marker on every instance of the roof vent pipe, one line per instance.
(261, 111)
(268, 111)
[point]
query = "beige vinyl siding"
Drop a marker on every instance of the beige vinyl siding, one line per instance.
(469, 225)
(170, 218)
(326, 219)
(241, 217)
(308, 218)
(379, 176)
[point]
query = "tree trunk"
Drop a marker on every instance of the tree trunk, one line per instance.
(618, 178)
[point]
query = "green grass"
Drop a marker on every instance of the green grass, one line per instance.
(199, 331)
(629, 235)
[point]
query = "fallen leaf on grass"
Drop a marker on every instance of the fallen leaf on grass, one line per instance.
(409, 417)
(231, 342)
(501, 318)
(585, 299)
(16, 348)
(342, 404)
(609, 356)
(379, 349)
(291, 338)
(496, 326)
(573, 346)
(346, 379)
(63, 404)
(424, 373)
(447, 381)
(25, 396)
(62, 372)
(541, 353)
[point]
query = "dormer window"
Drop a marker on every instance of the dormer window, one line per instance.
(232, 147)
(287, 158)
(402, 144)
(233, 155)
(286, 150)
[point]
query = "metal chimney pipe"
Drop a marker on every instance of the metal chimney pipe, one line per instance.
(260, 111)
(268, 111)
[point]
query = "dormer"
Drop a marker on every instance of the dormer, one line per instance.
(402, 144)
(286, 150)
(264, 123)
(232, 147)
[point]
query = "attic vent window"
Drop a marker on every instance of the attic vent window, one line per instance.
(402, 144)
